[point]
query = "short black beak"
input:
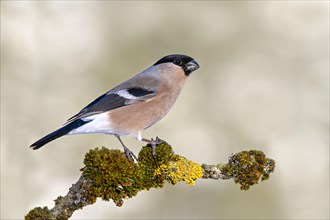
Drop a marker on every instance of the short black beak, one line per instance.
(191, 67)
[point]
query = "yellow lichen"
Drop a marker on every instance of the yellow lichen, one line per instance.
(181, 169)
(147, 164)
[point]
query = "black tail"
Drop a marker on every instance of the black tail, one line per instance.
(58, 133)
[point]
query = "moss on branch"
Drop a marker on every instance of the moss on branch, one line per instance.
(110, 175)
(246, 168)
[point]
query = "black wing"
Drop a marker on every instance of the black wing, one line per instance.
(110, 101)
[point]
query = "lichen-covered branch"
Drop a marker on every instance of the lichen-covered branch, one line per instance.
(245, 168)
(110, 175)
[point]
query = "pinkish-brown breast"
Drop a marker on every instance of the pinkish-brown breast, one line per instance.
(139, 116)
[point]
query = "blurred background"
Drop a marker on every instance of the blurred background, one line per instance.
(263, 84)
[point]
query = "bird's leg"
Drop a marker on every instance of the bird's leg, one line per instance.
(127, 151)
(153, 143)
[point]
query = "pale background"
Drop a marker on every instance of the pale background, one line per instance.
(263, 84)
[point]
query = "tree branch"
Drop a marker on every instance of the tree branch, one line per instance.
(110, 175)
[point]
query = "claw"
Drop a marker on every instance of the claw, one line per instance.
(130, 154)
(127, 152)
(154, 143)
(153, 148)
(158, 141)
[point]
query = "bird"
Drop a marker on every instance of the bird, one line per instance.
(132, 106)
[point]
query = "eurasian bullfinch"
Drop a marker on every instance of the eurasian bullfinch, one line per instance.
(132, 106)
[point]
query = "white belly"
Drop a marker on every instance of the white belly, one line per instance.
(100, 124)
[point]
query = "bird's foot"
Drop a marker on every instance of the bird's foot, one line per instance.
(154, 143)
(129, 154)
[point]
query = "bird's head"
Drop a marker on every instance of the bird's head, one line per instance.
(187, 63)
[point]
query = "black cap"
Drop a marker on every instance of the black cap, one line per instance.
(187, 63)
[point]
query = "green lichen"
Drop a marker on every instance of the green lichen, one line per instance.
(112, 174)
(115, 177)
(247, 167)
(39, 213)
(148, 164)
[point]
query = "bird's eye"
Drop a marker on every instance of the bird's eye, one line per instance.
(177, 62)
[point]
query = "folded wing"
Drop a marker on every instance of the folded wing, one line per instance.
(114, 100)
